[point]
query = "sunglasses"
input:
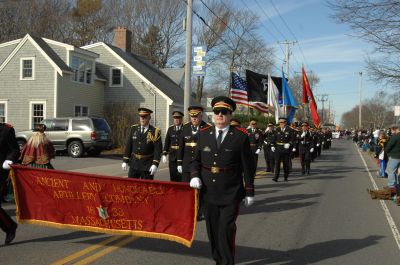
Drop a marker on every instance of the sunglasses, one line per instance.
(222, 111)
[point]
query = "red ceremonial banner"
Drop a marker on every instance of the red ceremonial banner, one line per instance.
(105, 204)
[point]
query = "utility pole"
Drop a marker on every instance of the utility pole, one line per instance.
(287, 43)
(188, 63)
(323, 98)
(360, 106)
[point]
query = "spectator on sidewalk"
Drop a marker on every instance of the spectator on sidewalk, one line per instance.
(383, 158)
(392, 149)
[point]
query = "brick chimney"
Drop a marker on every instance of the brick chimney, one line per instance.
(123, 38)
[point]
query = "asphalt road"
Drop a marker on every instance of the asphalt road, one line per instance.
(324, 218)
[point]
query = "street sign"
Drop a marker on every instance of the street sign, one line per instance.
(396, 111)
(199, 63)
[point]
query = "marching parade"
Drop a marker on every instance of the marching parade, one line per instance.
(199, 132)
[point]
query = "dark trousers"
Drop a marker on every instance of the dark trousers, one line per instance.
(269, 159)
(282, 157)
(6, 223)
(305, 161)
(255, 161)
(319, 150)
(174, 175)
(139, 174)
(186, 177)
(221, 230)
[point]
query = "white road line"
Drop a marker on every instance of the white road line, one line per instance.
(389, 217)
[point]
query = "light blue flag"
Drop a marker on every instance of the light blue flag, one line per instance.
(288, 99)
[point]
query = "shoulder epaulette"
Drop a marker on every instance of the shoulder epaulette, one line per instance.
(135, 125)
(205, 128)
(241, 129)
(186, 123)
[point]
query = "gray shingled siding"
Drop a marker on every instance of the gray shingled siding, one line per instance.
(20, 92)
(72, 93)
(133, 89)
(5, 51)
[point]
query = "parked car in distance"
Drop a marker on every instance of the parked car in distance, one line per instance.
(76, 135)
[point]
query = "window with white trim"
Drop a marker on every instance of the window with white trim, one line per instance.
(81, 111)
(3, 111)
(38, 113)
(116, 77)
(82, 70)
(27, 68)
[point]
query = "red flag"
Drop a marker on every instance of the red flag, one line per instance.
(309, 97)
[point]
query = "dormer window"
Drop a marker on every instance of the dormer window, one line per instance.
(83, 70)
(116, 77)
(27, 68)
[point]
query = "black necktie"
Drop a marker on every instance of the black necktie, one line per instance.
(142, 131)
(219, 138)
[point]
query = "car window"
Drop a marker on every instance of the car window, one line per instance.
(100, 125)
(60, 125)
(49, 124)
(81, 125)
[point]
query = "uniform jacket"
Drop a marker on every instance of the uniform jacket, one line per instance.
(9, 149)
(187, 145)
(288, 136)
(269, 139)
(306, 142)
(142, 151)
(256, 139)
(171, 143)
(392, 148)
(233, 158)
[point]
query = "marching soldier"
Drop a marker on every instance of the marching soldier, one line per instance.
(188, 141)
(306, 148)
(225, 168)
(256, 141)
(9, 153)
(319, 141)
(284, 139)
(143, 148)
(269, 155)
(171, 146)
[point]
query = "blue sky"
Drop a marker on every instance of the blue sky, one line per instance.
(329, 49)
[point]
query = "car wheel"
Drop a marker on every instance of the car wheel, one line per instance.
(75, 149)
(21, 143)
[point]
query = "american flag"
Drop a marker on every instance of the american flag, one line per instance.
(239, 94)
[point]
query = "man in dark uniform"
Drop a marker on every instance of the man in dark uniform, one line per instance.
(283, 142)
(306, 148)
(319, 140)
(269, 156)
(256, 140)
(188, 141)
(224, 167)
(143, 148)
(9, 153)
(171, 146)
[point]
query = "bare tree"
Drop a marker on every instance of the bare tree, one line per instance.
(378, 22)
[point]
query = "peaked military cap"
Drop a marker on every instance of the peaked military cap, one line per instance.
(144, 111)
(195, 110)
(235, 122)
(177, 114)
(305, 123)
(222, 102)
(282, 120)
(270, 124)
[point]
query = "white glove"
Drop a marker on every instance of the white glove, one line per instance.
(272, 148)
(164, 159)
(286, 146)
(317, 145)
(294, 149)
(6, 164)
(153, 170)
(195, 183)
(258, 151)
(248, 201)
(311, 150)
(179, 168)
(303, 134)
(323, 142)
(124, 166)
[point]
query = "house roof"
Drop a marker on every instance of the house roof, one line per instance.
(152, 73)
(175, 74)
(52, 54)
